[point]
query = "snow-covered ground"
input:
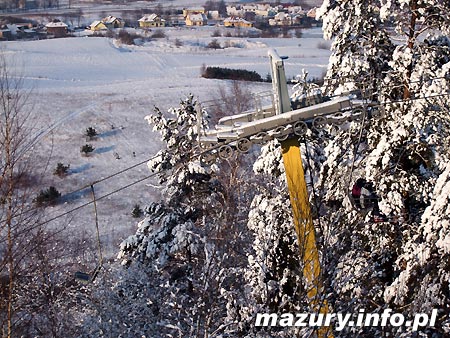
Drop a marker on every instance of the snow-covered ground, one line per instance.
(82, 82)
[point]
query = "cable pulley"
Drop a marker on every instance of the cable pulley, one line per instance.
(243, 145)
(300, 128)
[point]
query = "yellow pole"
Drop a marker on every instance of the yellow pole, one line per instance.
(304, 228)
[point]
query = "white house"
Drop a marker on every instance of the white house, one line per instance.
(235, 11)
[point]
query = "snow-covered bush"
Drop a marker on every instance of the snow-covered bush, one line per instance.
(87, 149)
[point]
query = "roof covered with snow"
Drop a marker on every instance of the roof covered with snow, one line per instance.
(97, 24)
(197, 17)
(235, 20)
(56, 24)
(151, 18)
(111, 19)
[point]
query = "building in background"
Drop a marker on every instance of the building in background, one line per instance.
(151, 20)
(56, 28)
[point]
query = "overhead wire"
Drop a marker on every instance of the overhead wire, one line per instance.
(156, 173)
(207, 150)
(359, 83)
(105, 195)
(87, 186)
(40, 224)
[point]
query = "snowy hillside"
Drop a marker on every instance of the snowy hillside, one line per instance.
(83, 82)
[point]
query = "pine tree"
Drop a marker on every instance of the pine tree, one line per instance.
(397, 265)
(61, 169)
(187, 241)
(272, 275)
(90, 133)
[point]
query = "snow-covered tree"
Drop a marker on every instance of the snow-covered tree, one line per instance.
(405, 154)
(372, 39)
(32, 294)
(274, 281)
(361, 44)
(173, 237)
(273, 275)
(187, 252)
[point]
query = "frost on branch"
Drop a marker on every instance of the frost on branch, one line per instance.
(170, 225)
(187, 242)
(401, 264)
(273, 276)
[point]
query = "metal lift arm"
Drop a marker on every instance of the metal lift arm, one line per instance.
(279, 83)
(298, 193)
(280, 121)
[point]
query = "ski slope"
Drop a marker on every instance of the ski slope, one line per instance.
(91, 81)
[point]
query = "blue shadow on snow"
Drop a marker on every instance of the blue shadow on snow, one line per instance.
(103, 150)
(80, 168)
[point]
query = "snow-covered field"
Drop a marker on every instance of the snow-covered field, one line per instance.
(82, 82)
